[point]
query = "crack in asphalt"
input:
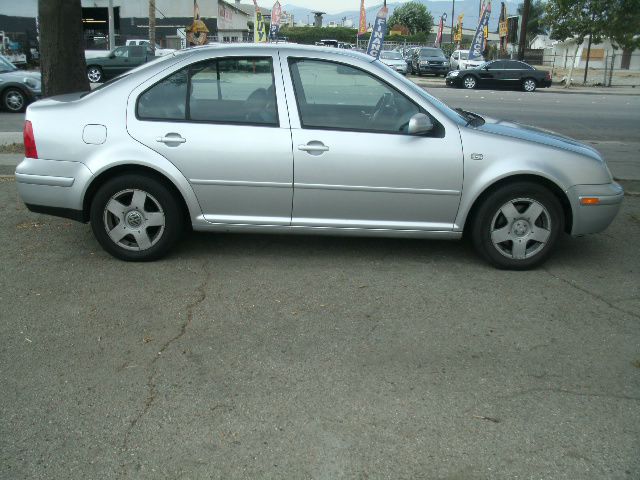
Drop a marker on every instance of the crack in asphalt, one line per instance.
(151, 384)
(592, 294)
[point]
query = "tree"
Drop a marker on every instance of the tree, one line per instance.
(414, 16)
(572, 20)
(62, 61)
(535, 22)
(623, 23)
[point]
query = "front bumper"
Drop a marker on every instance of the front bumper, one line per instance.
(53, 187)
(454, 81)
(438, 69)
(594, 218)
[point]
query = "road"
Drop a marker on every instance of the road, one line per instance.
(245, 357)
(608, 122)
(271, 357)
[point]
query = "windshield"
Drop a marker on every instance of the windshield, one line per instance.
(431, 52)
(6, 65)
(464, 55)
(391, 55)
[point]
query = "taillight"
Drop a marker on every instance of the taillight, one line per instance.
(30, 150)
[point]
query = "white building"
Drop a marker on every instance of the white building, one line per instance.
(600, 55)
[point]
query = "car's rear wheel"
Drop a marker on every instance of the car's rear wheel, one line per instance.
(14, 100)
(529, 85)
(469, 82)
(517, 226)
(94, 74)
(136, 218)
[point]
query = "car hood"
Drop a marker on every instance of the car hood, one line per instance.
(19, 75)
(392, 61)
(537, 135)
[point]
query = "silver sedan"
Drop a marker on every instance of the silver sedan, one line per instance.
(292, 139)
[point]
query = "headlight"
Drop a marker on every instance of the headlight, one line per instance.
(31, 83)
(454, 73)
(446, 64)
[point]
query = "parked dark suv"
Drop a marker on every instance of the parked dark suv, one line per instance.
(429, 60)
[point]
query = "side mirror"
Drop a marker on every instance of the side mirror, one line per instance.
(420, 124)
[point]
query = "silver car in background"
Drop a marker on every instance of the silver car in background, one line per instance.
(293, 139)
(395, 60)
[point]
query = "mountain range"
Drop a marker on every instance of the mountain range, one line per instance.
(470, 8)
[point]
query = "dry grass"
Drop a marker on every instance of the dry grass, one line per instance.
(12, 148)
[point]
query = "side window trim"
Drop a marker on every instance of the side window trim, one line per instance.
(188, 69)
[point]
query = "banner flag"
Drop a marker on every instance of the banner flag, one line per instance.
(477, 45)
(377, 35)
(276, 16)
(438, 42)
(260, 34)
(363, 19)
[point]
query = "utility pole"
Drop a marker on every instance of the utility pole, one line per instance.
(453, 12)
(152, 26)
(112, 38)
(523, 29)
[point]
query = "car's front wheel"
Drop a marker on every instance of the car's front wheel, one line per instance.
(14, 100)
(94, 74)
(517, 226)
(469, 82)
(136, 218)
(529, 85)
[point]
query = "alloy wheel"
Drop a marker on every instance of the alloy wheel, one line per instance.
(529, 85)
(134, 220)
(469, 82)
(14, 100)
(94, 74)
(521, 228)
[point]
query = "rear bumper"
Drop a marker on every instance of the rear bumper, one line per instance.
(594, 218)
(53, 187)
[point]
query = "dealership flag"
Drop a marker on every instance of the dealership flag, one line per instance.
(276, 16)
(363, 19)
(443, 19)
(477, 45)
(378, 33)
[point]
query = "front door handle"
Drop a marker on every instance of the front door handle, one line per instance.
(314, 147)
(170, 138)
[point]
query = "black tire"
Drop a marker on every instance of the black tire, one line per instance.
(140, 221)
(529, 238)
(94, 74)
(529, 85)
(14, 100)
(469, 82)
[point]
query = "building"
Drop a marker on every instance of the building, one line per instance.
(561, 54)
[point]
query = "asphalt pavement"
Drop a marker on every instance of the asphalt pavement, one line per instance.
(273, 357)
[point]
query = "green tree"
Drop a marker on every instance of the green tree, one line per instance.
(623, 23)
(414, 16)
(535, 23)
(572, 20)
(61, 47)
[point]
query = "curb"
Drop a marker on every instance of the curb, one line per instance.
(7, 138)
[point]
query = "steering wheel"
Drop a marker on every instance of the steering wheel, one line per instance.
(386, 106)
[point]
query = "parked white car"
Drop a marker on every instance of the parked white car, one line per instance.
(394, 60)
(460, 60)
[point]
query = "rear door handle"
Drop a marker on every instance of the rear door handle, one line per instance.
(171, 138)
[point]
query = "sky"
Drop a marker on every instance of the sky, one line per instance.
(329, 6)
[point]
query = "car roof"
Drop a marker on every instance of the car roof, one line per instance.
(291, 49)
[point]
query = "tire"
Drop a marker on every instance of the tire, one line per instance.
(136, 218)
(14, 100)
(469, 82)
(94, 74)
(529, 85)
(517, 226)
